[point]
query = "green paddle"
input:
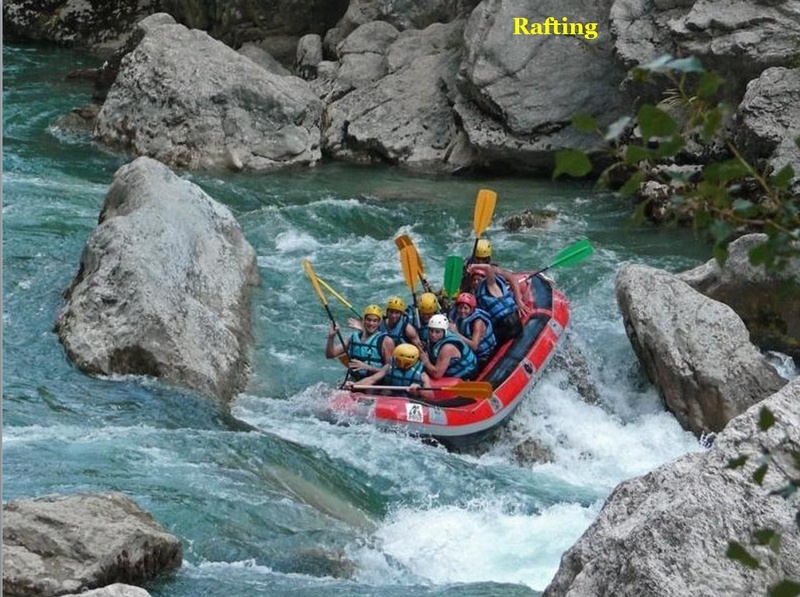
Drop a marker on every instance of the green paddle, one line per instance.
(453, 270)
(573, 254)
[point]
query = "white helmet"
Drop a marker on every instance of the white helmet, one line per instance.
(438, 322)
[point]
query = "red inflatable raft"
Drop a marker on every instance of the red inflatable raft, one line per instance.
(460, 422)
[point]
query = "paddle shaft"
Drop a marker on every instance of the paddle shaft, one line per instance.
(343, 359)
(479, 390)
(573, 254)
(338, 296)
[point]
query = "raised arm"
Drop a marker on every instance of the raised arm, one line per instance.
(332, 351)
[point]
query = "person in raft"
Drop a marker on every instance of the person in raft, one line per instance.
(368, 349)
(449, 356)
(396, 324)
(404, 370)
(474, 326)
(483, 254)
(501, 299)
(428, 306)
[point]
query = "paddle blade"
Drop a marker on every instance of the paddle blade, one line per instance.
(453, 270)
(468, 389)
(574, 253)
(403, 241)
(408, 261)
(314, 282)
(484, 208)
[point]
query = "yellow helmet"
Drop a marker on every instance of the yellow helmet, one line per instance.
(373, 310)
(396, 304)
(427, 303)
(483, 249)
(406, 355)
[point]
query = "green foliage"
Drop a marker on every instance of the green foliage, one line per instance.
(785, 588)
(737, 462)
(765, 418)
(736, 551)
(730, 195)
(767, 537)
(573, 162)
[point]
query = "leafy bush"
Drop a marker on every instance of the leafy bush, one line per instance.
(726, 197)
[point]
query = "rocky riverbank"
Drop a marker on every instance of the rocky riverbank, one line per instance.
(439, 86)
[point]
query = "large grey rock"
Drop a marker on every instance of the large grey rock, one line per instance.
(737, 38)
(62, 544)
(527, 88)
(641, 28)
(666, 534)
(740, 38)
(236, 22)
(100, 25)
(163, 286)
(115, 590)
(403, 14)
(769, 118)
(363, 55)
(694, 349)
(405, 117)
(769, 304)
(192, 102)
(264, 59)
(308, 56)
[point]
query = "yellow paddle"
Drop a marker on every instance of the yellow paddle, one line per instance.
(484, 208)
(403, 241)
(467, 389)
(408, 261)
(338, 296)
(344, 359)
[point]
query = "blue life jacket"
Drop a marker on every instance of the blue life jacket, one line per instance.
(497, 308)
(369, 352)
(423, 334)
(404, 377)
(398, 331)
(459, 366)
(488, 341)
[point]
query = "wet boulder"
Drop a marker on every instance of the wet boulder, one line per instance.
(666, 533)
(522, 91)
(308, 57)
(116, 590)
(402, 14)
(768, 303)
(529, 219)
(98, 25)
(192, 102)
(737, 38)
(405, 117)
(66, 544)
(163, 286)
(363, 55)
(694, 349)
(274, 25)
(769, 119)
(264, 59)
